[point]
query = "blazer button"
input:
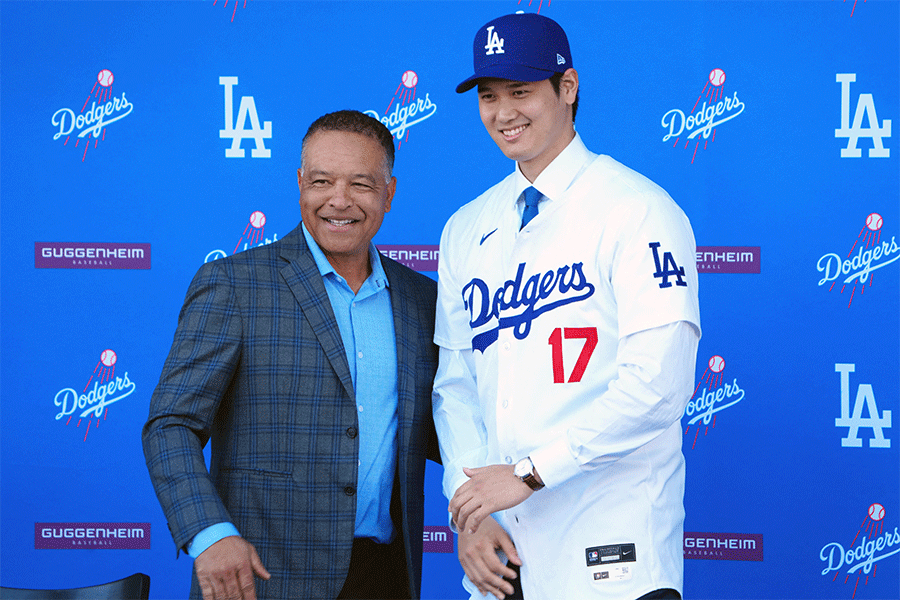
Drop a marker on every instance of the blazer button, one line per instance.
(351, 432)
(349, 490)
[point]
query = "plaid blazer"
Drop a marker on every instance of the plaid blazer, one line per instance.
(258, 366)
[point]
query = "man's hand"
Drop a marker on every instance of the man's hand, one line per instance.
(225, 570)
(488, 490)
(478, 557)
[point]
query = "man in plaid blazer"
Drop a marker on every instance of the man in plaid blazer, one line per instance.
(259, 365)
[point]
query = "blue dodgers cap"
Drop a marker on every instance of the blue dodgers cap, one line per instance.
(519, 47)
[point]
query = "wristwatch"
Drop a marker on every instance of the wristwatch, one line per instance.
(524, 470)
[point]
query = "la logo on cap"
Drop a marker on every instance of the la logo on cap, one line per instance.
(494, 42)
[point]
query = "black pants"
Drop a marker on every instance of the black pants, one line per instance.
(377, 571)
(666, 594)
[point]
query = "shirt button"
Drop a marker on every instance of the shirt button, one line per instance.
(351, 431)
(349, 490)
(360, 355)
(509, 460)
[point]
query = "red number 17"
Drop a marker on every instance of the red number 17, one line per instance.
(589, 334)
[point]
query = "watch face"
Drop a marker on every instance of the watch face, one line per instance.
(523, 468)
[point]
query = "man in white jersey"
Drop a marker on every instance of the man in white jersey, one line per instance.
(568, 325)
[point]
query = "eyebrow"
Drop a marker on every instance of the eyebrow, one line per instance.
(322, 172)
(509, 85)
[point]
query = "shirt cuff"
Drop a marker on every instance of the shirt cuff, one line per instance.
(210, 536)
(554, 463)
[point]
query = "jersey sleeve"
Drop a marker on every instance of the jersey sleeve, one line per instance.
(654, 380)
(654, 270)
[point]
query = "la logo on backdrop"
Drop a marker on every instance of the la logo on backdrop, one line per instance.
(853, 419)
(717, 108)
(872, 543)
(104, 110)
(712, 395)
(92, 403)
(865, 108)
(868, 253)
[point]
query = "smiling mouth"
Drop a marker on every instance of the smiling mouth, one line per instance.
(511, 134)
(340, 222)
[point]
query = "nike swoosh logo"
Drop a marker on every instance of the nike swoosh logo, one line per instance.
(486, 236)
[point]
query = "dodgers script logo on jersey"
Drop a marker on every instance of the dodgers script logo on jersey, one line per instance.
(108, 389)
(714, 111)
(408, 110)
(564, 285)
(254, 235)
(238, 131)
(94, 122)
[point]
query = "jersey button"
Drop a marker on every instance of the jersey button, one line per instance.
(505, 403)
(509, 460)
(506, 346)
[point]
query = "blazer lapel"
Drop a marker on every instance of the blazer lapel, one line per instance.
(405, 329)
(303, 278)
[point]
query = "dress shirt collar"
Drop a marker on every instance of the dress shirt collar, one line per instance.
(378, 276)
(559, 174)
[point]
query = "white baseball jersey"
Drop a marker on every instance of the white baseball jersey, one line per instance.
(542, 317)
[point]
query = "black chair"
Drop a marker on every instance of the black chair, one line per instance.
(134, 587)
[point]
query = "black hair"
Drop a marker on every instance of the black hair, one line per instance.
(355, 122)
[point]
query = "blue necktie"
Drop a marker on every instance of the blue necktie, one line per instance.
(532, 196)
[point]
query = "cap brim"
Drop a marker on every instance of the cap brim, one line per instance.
(510, 72)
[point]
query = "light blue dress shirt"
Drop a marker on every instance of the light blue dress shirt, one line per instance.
(366, 323)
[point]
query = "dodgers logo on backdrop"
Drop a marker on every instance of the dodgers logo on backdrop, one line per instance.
(869, 253)
(714, 111)
(865, 107)
(93, 405)
(542, 292)
(254, 235)
(872, 543)
(105, 109)
(238, 131)
(407, 109)
(715, 395)
(854, 421)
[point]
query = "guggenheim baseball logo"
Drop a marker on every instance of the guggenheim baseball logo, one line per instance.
(105, 109)
(868, 253)
(407, 109)
(872, 543)
(703, 119)
(92, 536)
(715, 395)
(91, 405)
(254, 235)
(91, 255)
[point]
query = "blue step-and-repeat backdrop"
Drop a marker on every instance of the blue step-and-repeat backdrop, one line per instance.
(142, 139)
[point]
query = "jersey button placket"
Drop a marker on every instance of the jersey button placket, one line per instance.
(505, 387)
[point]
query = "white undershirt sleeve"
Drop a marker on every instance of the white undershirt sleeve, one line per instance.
(457, 417)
